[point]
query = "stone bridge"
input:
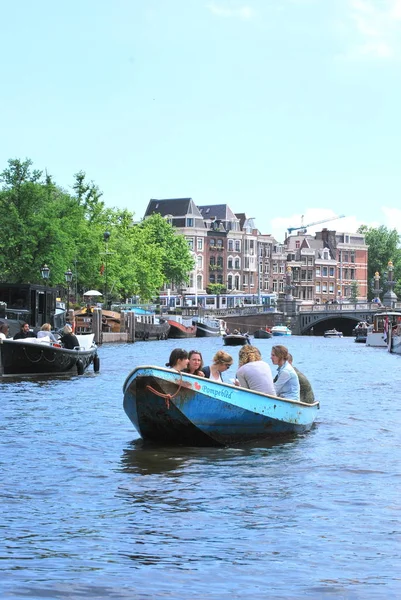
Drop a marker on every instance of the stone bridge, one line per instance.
(318, 318)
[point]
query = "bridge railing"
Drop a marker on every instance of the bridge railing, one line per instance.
(341, 307)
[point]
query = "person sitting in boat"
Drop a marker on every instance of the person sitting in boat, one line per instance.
(254, 373)
(286, 382)
(305, 389)
(236, 332)
(24, 332)
(195, 364)
(68, 339)
(178, 359)
(88, 310)
(45, 331)
(4, 331)
(221, 362)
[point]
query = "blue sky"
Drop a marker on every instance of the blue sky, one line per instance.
(280, 108)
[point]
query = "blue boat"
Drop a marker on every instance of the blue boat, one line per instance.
(167, 406)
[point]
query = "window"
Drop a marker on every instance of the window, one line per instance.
(317, 288)
(331, 271)
(212, 278)
(352, 256)
(230, 282)
(212, 261)
(190, 243)
(237, 263)
(230, 245)
(237, 246)
(310, 274)
(346, 239)
(275, 268)
(324, 288)
(199, 262)
(352, 276)
(236, 279)
(275, 286)
(282, 268)
(199, 244)
(220, 244)
(324, 271)
(230, 263)
(317, 271)
(266, 267)
(297, 244)
(190, 222)
(212, 242)
(220, 261)
(331, 288)
(281, 286)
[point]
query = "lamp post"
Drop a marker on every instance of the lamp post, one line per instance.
(106, 237)
(68, 278)
(45, 271)
(194, 256)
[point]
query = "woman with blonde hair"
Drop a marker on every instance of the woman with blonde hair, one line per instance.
(45, 331)
(254, 373)
(221, 362)
(68, 339)
(286, 381)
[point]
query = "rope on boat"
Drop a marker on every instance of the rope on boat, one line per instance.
(167, 397)
(41, 355)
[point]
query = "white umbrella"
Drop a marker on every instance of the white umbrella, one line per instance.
(93, 293)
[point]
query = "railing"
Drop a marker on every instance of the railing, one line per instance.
(347, 307)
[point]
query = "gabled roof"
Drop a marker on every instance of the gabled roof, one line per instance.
(176, 207)
(221, 212)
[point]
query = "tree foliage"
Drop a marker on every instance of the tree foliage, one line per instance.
(383, 247)
(42, 223)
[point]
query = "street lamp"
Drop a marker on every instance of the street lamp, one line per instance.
(68, 278)
(106, 237)
(45, 271)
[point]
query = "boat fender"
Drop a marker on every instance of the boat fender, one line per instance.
(96, 364)
(80, 367)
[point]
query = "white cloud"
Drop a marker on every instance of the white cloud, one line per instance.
(387, 216)
(392, 218)
(376, 28)
(320, 216)
(242, 12)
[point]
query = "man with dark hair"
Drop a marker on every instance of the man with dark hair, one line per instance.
(24, 332)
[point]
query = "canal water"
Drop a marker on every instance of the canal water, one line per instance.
(89, 511)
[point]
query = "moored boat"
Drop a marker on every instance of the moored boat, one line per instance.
(208, 327)
(181, 329)
(278, 330)
(177, 408)
(377, 335)
(33, 356)
(394, 340)
(263, 333)
(333, 333)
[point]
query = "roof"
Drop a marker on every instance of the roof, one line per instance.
(176, 207)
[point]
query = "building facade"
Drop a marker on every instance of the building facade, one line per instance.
(229, 250)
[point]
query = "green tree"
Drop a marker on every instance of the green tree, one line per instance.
(383, 246)
(354, 291)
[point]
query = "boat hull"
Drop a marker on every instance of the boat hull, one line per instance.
(168, 407)
(262, 334)
(280, 330)
(152, 331)
(27, 358)
(235, 340)
(179, 331)
(204, 329)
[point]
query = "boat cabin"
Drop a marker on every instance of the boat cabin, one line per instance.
(34, 304)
